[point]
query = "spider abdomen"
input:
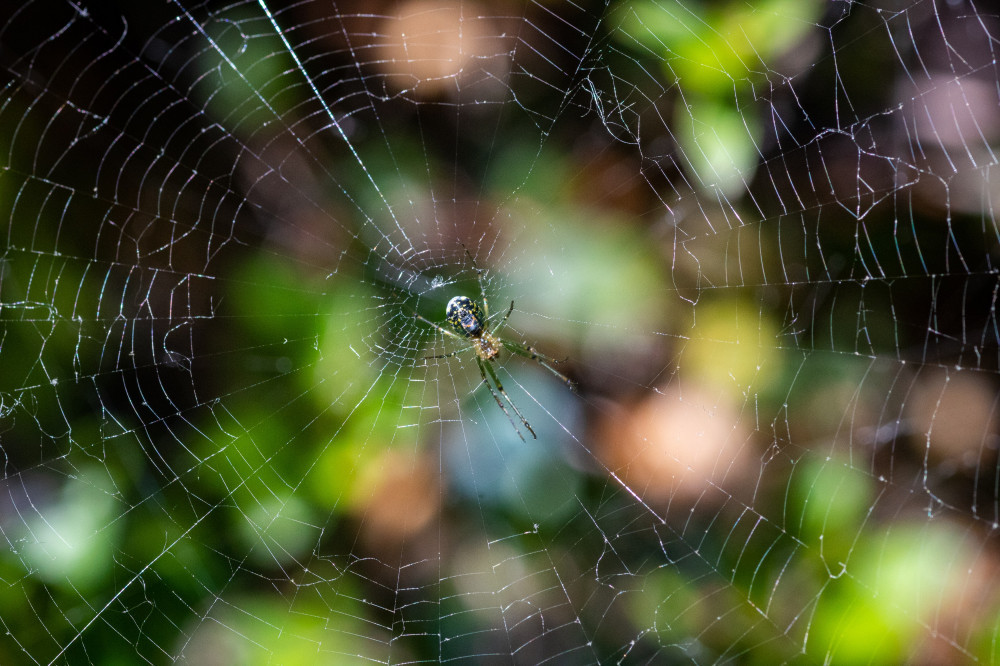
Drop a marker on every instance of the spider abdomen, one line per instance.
(465, 315)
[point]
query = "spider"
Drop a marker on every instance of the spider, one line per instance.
(472, 325)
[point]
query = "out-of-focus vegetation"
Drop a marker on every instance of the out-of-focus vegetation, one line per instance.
(223, 437)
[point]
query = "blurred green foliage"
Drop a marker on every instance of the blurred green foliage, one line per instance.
(717, 53)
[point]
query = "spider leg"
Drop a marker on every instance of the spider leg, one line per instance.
(448, 355)
(506, 316)
(484, 368)
(444, 330)
(479, 279)
(528, 351)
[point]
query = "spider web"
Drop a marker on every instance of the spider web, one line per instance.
(759, 236)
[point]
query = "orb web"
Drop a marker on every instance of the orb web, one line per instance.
(758, 236)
